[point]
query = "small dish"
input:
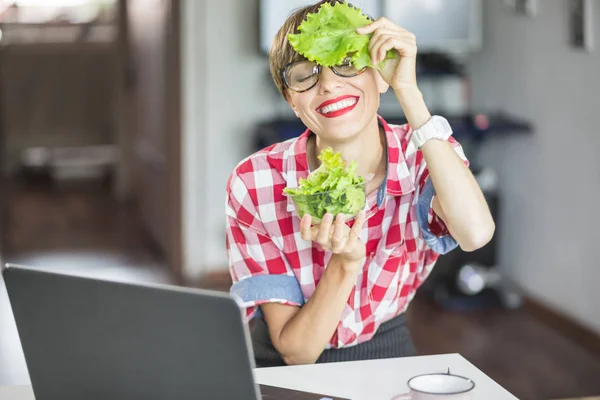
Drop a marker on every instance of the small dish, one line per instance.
(350, 200)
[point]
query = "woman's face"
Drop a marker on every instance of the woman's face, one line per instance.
(339, 108)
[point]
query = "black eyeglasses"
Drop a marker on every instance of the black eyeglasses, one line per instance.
(301, 76)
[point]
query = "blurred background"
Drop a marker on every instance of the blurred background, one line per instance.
(121, 120)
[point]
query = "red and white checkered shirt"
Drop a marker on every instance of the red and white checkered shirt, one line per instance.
(270, 262)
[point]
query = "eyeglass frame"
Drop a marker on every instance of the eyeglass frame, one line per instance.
(320, 69)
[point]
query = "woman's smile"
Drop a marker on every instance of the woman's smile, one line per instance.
(338, 106)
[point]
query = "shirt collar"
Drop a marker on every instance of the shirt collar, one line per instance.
(397, 183)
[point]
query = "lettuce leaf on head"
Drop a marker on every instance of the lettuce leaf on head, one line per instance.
(333, 187)
(329, 36)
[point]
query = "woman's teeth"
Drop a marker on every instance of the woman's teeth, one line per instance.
(339, 105)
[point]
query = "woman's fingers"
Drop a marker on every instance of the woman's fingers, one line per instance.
(387, 39)
(378, 24)
(373, 26)
(354, 235)
(378, 38)
(334, 235)
(323, 233)
(305, 227)
(340, 234)
(389, 44)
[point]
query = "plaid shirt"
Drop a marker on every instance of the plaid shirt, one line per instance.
(270, 262)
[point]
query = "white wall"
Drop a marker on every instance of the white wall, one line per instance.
(551, 180)
(233, 92)
(240, 93)
(193, 171)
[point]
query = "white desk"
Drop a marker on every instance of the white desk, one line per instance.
(357, 380)
(378, 379)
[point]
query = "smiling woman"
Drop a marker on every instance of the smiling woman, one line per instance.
(335, 287)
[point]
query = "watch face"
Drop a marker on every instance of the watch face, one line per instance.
(436, 128)
(441, 125)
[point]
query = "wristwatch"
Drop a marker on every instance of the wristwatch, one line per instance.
(436, 128)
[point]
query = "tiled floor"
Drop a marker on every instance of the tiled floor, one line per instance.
(83, 231)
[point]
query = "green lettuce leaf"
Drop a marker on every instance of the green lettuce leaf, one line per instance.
(333, 187)
(329, 36)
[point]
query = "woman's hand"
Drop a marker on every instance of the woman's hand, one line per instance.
(400, 72)
(336, 236)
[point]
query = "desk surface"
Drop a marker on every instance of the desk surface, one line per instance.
(377, 379)
(372, 380)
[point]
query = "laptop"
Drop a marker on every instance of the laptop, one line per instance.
(94, 339)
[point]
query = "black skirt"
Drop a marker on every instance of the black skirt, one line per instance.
(391, 340)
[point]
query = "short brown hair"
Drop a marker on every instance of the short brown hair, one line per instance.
(282, 53)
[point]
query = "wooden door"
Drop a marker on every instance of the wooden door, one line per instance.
(153, 88)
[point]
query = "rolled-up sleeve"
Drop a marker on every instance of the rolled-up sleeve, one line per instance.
(432, 227)
(258, 267)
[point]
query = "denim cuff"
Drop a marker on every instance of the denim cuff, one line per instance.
(260, 289)
(439, 244)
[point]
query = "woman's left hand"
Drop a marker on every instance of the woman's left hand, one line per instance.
(400, 72)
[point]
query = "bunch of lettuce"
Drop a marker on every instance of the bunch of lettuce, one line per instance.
(333, 187)
(329, 36)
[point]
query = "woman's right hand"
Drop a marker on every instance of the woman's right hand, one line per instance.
(336, 236)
